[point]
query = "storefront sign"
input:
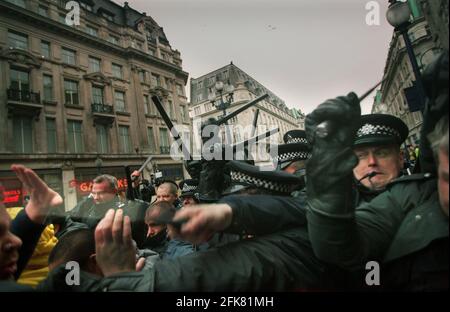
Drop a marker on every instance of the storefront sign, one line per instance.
(86, 186)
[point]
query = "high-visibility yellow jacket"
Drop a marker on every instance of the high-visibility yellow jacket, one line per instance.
(37, 267)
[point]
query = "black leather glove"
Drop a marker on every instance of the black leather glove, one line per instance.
(332, 157)
(435, 79)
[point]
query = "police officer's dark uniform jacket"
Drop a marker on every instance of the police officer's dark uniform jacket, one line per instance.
(87, 213)
(396, 228)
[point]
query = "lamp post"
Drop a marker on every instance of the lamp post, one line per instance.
(99, 164)
(224, 101)
(398, 15)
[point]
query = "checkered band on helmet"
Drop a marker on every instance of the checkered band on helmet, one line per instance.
(370, 129)
(189, 188)
(291, 139)
(282, 157)
(261, 183)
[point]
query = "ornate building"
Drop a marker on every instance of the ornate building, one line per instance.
(398, 73)
(243, 88)
(75, 100)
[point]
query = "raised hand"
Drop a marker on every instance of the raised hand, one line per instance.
(115, 252)
(42, 198)
(202, 222)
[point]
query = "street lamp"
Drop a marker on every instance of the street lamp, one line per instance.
(224, 101)
(99, 164)
(398, 15)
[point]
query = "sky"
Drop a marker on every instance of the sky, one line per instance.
(304, 51)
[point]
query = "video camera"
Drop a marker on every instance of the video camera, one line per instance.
(147, 188)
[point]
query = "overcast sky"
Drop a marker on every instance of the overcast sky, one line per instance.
(305, 51)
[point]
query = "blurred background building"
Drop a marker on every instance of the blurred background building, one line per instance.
(75, 101)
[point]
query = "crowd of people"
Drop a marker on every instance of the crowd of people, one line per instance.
(334, 204)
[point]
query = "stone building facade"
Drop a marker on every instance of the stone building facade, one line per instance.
(75, 100)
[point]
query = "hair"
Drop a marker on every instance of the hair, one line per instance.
(439, 137)
(160, 208)
(108, 178)
(173, 187)
(77, 245)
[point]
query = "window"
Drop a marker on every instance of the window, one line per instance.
(119, 98)
(48, 87)
(200, 85)
(23, 135)
(43, 10)
(180, 90)
(19, 80)
(102, 139)
(86, 6)
(170, 106)
(183, 113)
(68, 56)
(75, 131)
(125, 140)
(155, 80)
(225, 75)
(109, 17)
(142, 76)
(45, 49)
(62, 18)
(169, 83)
(117, 71)
(94, 64)
(51, 135)
(20, 3)
(147, 108)
(164, 141)
(151, 139)
(92, 31)
(17, 40)
(113, 39)
(199, 97)
(97, 95)
(71, 92)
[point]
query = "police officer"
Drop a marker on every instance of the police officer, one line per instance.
(104, 195)
(377, 145)
(293, 154)
(393, 228)
(189, 195)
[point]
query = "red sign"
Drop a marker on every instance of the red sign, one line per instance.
(12, 196)
(86, 187)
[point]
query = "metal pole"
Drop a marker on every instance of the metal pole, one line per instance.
(415, 66)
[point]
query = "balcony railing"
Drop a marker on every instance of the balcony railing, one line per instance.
(102, 109)
(165, 150)
(24, 96)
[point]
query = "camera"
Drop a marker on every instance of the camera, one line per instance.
(157, 178)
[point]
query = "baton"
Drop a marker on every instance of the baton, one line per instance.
(326, 127)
